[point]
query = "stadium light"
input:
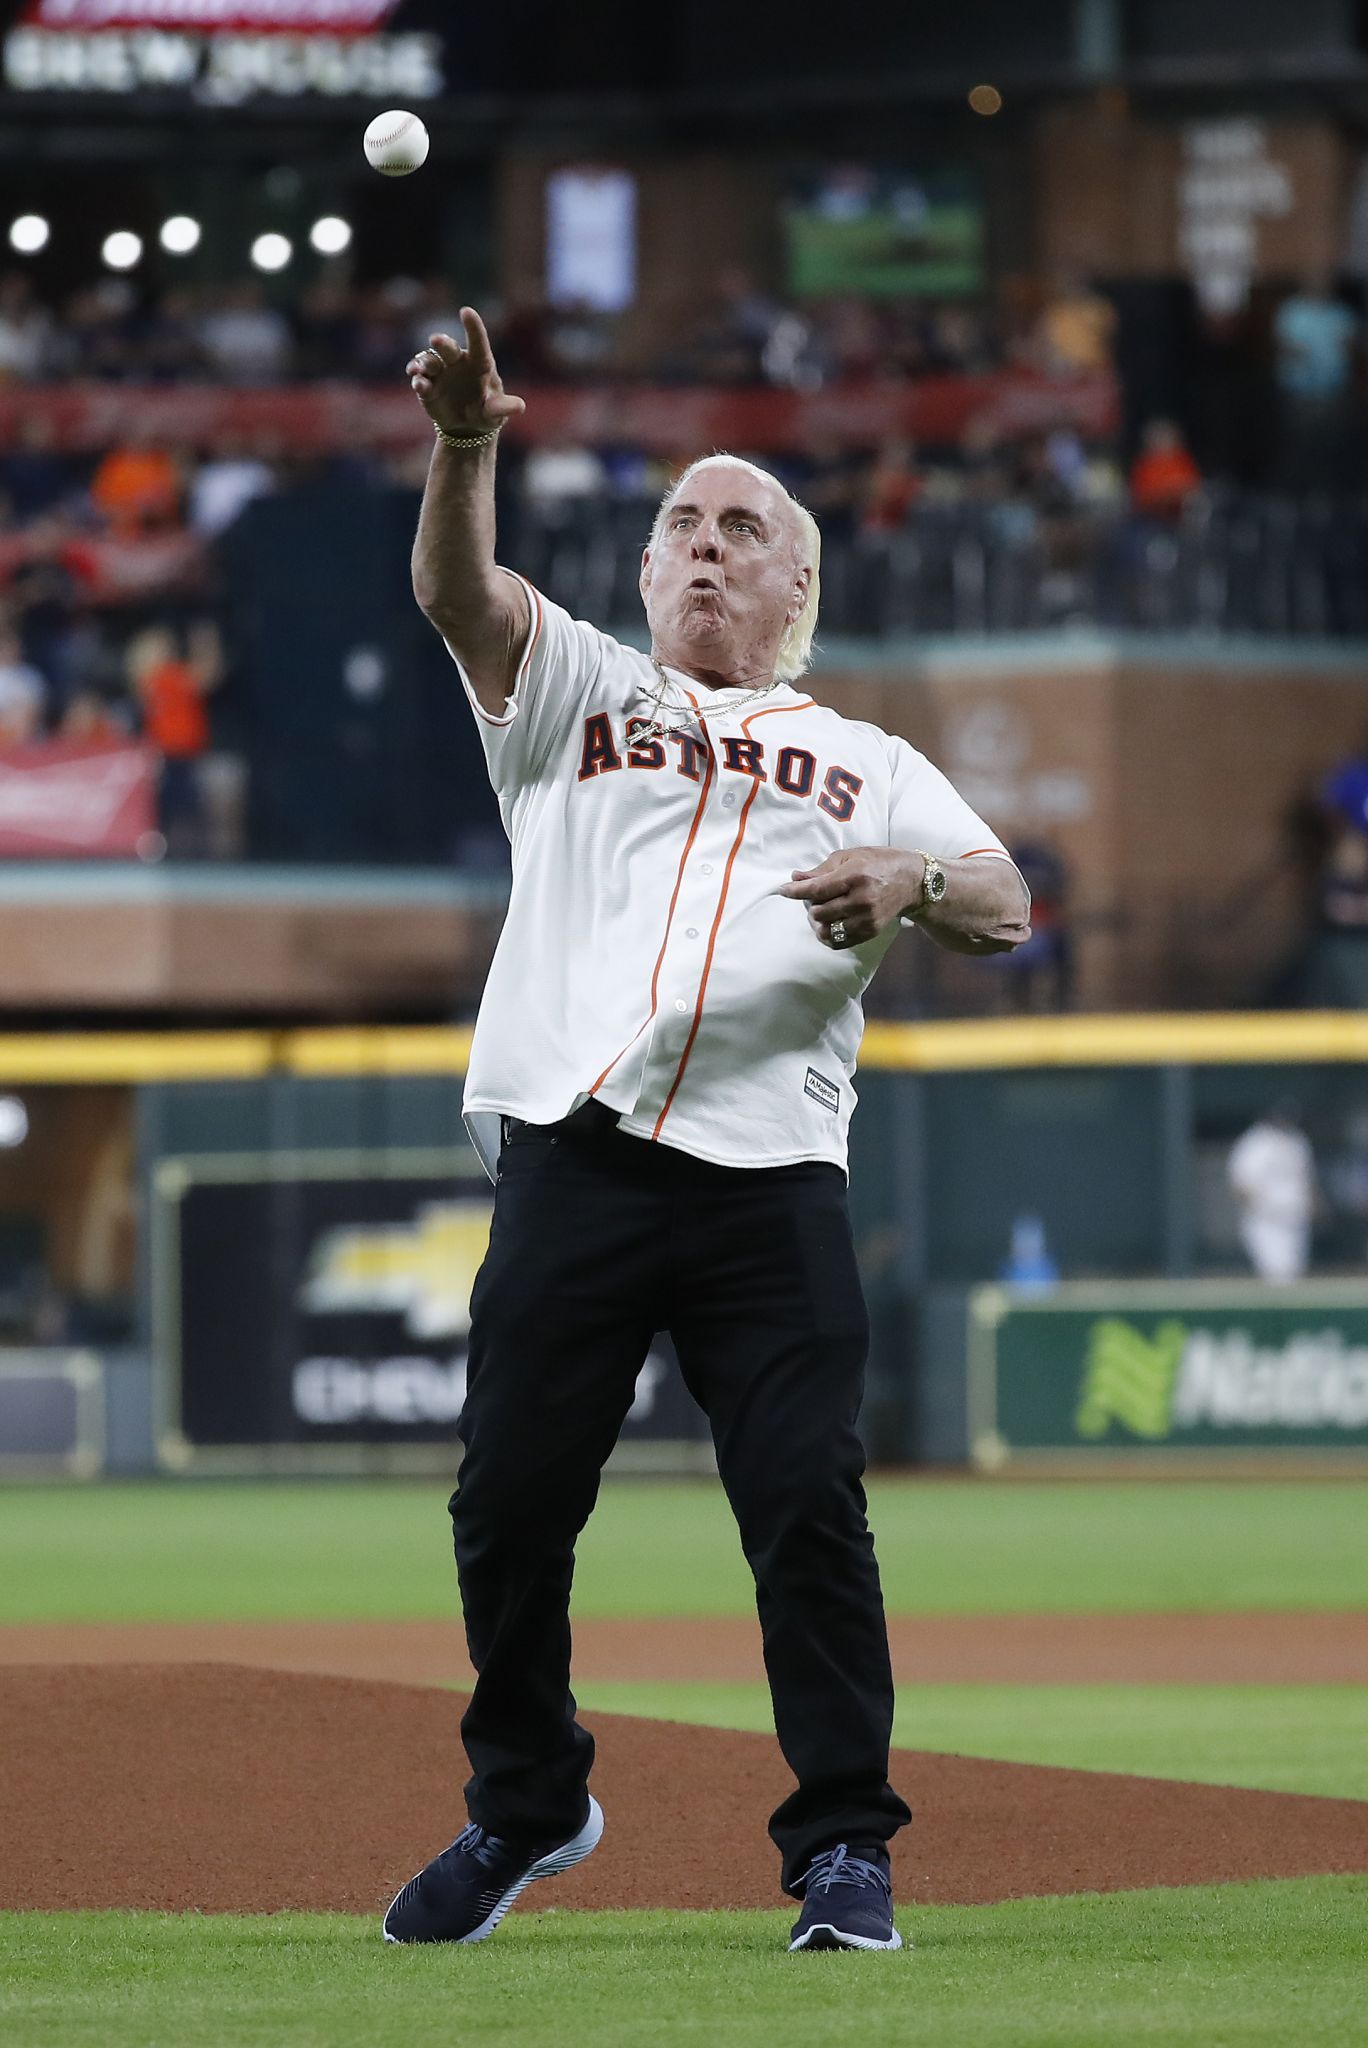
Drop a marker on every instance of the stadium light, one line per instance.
(271, 252)
(122, 249)
(29, 233)
(330, 235)
(14, 1122)
(180, 234)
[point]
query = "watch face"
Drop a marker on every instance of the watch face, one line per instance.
(935, 884)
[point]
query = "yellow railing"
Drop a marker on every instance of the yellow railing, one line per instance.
(1244, 1037)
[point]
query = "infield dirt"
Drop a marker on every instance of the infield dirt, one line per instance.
(217, 1788)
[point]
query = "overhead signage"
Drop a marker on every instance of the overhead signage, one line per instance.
(220, 52)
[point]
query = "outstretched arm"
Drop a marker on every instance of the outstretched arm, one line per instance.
(481, 612)
(863, 888)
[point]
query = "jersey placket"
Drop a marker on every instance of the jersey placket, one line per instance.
(696, 932)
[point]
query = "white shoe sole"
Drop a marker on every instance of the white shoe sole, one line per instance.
(565, 1858)
(834, 1937)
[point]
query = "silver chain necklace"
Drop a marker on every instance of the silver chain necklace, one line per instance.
(657, 729)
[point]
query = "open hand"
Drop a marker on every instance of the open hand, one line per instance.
(460, 388)
(860, 890)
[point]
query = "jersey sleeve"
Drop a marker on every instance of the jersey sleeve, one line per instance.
(559, 665)
(927, 814)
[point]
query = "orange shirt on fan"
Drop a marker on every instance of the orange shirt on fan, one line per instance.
(1161, 478)
(175, 721)
(137, 489)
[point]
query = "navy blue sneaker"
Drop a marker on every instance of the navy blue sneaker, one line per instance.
(847, 1903)
(464, 1893)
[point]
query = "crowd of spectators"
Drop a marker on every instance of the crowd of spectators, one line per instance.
(112, 604)
(742, 334)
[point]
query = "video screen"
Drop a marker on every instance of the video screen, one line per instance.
(886, 232)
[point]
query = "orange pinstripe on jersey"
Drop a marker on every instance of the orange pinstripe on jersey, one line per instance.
(669, 917)
(774, 710)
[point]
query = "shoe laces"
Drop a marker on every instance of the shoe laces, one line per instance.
(838, 1866)
(488, 1850)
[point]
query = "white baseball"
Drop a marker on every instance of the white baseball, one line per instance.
(396, 143)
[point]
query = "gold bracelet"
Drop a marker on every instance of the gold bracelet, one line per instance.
(467, 440)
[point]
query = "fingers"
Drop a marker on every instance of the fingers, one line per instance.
(840, 926)
(445, 349)
(477, 340)
(819, 886)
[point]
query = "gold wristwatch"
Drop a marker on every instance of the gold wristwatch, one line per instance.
(933, 883)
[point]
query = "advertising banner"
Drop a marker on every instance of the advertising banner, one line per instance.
(309, 1307)
(75, 797)
(1168, 1371)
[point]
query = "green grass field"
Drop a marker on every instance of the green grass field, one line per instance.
(1265, 1963)
(241, 1552)
(1280, 1738)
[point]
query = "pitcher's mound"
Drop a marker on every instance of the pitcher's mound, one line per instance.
(220, 1789)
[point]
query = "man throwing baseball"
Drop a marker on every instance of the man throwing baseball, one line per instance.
(708, 866)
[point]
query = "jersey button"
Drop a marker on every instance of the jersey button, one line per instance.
(706, 868)
(680, 1005)
(728, 800)
(692, 932)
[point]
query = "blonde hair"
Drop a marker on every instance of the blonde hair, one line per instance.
(795, 649)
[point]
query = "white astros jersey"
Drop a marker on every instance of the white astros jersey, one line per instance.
(648, 958)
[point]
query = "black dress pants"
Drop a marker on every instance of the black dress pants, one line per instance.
(599, 1240)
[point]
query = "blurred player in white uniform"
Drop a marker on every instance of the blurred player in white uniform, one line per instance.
(708, 866)
(1272, 1173)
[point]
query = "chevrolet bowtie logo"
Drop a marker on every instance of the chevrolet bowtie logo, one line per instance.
(422, 1270)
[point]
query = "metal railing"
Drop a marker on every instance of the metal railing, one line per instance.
(1234, 563)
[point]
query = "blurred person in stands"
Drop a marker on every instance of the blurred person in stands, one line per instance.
(1315, 340)
(891, 488)
(245, 340)
(23, 692)
(168, 342)
(1140, 549)
(386, 316)
(1342, 891)
(723, 341)
(92, 720)
(1342, 883)
(1272, 1175)
(854, 336)
(225, 483)
(94, 340)
(560, 477)
(171, 688)
(579, 340)
(521, 332)
(326, 329)
(34, 478)
(137, 487)
(959, 341)
(828, 476)
(25, 327)
(1076, 332)
(1163, 475)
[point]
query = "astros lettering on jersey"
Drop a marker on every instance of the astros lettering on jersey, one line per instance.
(647, 958)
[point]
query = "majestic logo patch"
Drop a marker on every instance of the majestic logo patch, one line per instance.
(821, 1090)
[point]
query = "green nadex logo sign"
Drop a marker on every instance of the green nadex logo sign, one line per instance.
(1129, 1378)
